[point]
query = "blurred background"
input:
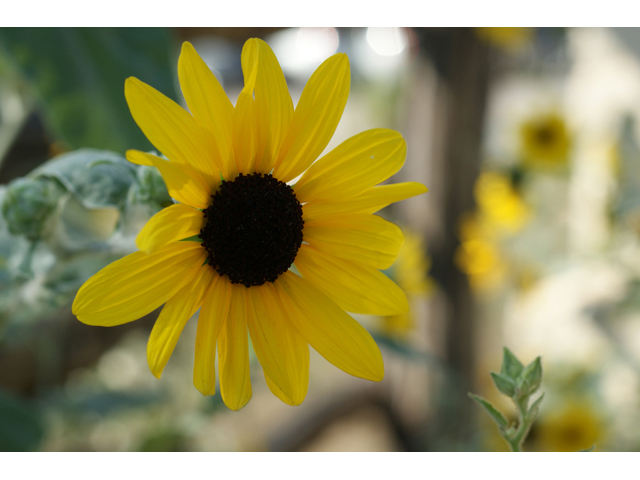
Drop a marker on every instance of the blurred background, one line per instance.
(528, 238)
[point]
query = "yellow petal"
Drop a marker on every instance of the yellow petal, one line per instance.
(137, 284)
(370, 201)
(171, 129)
(213, 314)
(282, 352)
(184, 183)
(315, 118)
(276, 390)
(354, 287)
(273, 104)
(368, 239)
(328, 329)
(245, 133)
(169, 225)
(233, 352)
(174, 316)
(352, 167)
(207, 101)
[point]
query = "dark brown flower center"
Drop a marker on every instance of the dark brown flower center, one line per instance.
(545, 135)
(253, 229)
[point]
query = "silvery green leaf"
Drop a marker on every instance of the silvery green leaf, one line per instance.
(491, 410)
(78, 227)
(504, 384)
(535, 408)
(27, 205)
(511, 366)
(97, 178)
(531, 377)
(149, 188)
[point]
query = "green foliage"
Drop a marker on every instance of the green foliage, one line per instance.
(65, 221)
(79, 74)
(511, 366)
(97, 178)
(503, 383)
(27, 205)
(518, 383)
(496, 415)
(21, 428)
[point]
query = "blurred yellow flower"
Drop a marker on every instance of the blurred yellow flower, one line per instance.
(480, 260)
(410, 273)
(499, 203)
(545, 141)
(507, 38)
(573, 427)
(229, 168)
(501, 212)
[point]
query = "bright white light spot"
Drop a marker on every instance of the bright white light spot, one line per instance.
(301, 50)
(387, 41)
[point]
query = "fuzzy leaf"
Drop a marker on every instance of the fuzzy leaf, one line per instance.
(535, 407)
(511, 366)
(504, 384)
(531, 377)
(495, 414)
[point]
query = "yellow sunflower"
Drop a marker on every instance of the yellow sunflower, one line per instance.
(240, 224)
(507, 38)
(575, 426)
(545, 141)
(499, 203)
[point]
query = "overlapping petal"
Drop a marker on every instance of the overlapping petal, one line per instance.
(367, 239)
(137, 284)
(370, 201)
(213, 314)
(171, 129)
(174, 316)
(356, 288)
(233, 352)
(315, 118)
(273, 105)
(170, 224)
(282, 352)
(354, 166)
(328, 329)
(184, 183)
(208, 103)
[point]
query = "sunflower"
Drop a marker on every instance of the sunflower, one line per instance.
(545, 141)
(576, 426)
(259, 255)
(506, 38)
(499, 204)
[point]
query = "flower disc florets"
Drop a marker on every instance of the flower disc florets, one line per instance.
(253, 229)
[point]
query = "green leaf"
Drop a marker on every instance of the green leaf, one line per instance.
(504, 384)
(535, 408)
(27, 205)
(495, 414)
(511, 366)
(79, 74)
(97, 178)
(21, 428)
(531, 377)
